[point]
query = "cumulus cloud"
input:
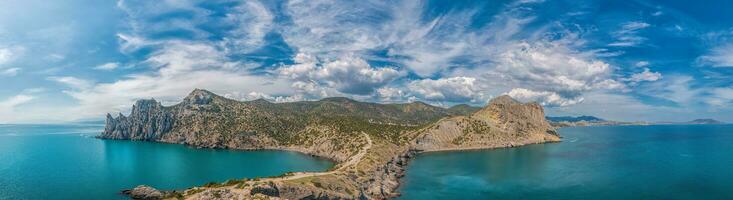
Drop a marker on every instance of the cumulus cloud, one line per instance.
(107, 66)
(348, 74)
(454, 89)
(545, 98)
(646, 75)
(549, 66)
(628, 34)
(391, 94)
(259, 95)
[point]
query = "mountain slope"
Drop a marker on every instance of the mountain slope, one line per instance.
(372, 143)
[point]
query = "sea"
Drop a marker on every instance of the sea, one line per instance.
(67, 162)
(601, 162)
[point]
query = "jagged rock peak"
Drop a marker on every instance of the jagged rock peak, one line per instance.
(199, 97)
(503, 99)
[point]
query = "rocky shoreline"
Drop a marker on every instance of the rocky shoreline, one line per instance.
(372, 143)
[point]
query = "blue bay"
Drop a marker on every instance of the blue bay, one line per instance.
(621, 162)
(66, 162)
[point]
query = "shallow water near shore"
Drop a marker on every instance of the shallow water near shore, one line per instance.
(607, 162)
(66, 162)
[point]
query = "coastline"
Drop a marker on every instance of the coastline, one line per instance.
(293, 150)
(370, 158)
(337, 167)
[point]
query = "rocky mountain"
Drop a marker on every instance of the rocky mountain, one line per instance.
(585, 120)
(372, 143)
(575, 119)
(695, 121)
(705, 121)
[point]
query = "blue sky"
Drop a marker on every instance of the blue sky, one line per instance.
(621, 60)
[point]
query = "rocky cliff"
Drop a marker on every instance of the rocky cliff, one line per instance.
(372, 143)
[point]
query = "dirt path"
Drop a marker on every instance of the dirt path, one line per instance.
(351, 162)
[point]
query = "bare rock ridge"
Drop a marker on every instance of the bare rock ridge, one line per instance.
(372, 143)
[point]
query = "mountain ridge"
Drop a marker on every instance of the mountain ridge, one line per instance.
(339, 129)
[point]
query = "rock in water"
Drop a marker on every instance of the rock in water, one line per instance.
(143, 192)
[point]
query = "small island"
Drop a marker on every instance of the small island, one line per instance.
(371, 143)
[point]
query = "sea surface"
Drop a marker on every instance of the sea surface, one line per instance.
(67, 162)
(605, 162)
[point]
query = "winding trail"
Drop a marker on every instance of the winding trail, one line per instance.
(351, 162)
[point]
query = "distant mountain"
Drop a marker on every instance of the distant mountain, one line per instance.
(463, 109)
(704, 121)
(575, 119)
(695, 121)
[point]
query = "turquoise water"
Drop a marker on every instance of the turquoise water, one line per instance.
(623, 162)
(65, 162)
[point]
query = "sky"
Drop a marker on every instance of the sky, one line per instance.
(636, 60)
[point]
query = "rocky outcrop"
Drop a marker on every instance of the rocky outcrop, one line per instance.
(505, 122)
(149, 120)
(144, 192)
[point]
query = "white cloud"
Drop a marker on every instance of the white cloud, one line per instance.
(720, 97)
(258, 95)
(107, 66)
(646, 75)
(8, 112)
(720, 56)
(14, 101)
(543, 97)
(72, 82)
(628, 36)
(178, 68)
(130, 43)
(642, 64)
(676, 88)
(329, 29)
(253, 21)
(10, 71)
(454, 89)
(548, 66)
(5, 56)
(390, 94)
(348, 74)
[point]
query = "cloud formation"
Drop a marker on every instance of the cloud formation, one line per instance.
(719, 56)
(628, 34)
(347, 74)
(454, 89)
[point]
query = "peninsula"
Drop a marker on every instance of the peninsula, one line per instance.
(371, 143)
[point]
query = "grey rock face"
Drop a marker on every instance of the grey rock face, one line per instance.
(143, 192)
(149, 120)
(266, 189)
